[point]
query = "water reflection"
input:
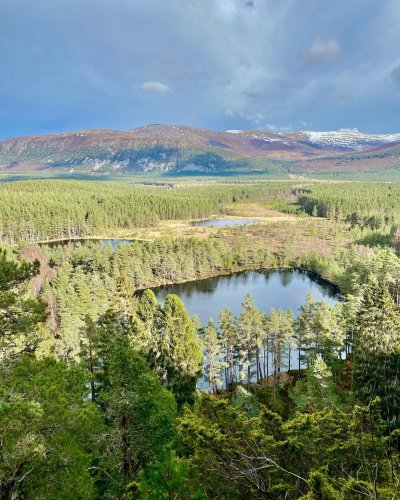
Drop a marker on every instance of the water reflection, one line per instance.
(223, 222)
(281, 289)
(112, 242)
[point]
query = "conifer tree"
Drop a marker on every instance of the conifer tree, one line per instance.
(213, 353)
(316, 390)
(377, 351)
(181, 348)
(230, 340)
(140, 415)
(280, 330)
(19, 314)
(250, 329)
(304, 329)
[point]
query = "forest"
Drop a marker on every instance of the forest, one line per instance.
(99, 382)
(44, 210)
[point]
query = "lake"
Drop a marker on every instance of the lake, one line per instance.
(113, 242)
(278, 288)
(223, 222)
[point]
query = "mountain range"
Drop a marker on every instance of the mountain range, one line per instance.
(185, 150)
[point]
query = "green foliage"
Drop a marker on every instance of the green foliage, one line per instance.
(245, 401)
(363, 204)
(107, 427)
(47, 430)
(320, 488)
(279, 326)
(90, 278)
(139, 415)
(320, 331)
(250, 330)
(182, 350)
(317, 390)
(19, 313)
(50, 209)
(213, 351)
(377, 351)
(327, 452)
(168, 478)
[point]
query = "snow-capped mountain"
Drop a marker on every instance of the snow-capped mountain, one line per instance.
(350, 139)
(184, 148)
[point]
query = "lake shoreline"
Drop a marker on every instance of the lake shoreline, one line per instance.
(217, 273)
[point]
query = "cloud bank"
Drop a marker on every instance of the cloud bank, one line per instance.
(221, 64)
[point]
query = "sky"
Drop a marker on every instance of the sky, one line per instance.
(220, 64)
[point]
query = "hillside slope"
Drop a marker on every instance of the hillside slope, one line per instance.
(166, 148)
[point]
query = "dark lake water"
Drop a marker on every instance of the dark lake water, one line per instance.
(281, 289)
(223, 222)
(112, 242)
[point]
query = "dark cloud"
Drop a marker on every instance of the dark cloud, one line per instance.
(254, 96)
(221, 64)
(395, 74)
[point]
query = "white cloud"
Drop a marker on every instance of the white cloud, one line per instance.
(279, 128)
(255, 118)
(321, 52)
(155, 86)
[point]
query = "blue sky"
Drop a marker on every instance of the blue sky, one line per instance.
(219, 64)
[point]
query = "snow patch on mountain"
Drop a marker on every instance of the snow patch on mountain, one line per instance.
(269, 138)
(350, 139)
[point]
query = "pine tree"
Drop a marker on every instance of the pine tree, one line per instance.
(316, 390)
(377, 351)
(19, 313)
(304, 330)
(319, 330)
(139, 413)
(250, 330)
(230, 340)
(49, 430)
(181, 348)
(213, 352)
(280, 330)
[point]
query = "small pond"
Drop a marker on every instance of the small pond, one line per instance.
(224, 222)
(112, 242)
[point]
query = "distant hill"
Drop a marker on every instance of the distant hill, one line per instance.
(184, 149)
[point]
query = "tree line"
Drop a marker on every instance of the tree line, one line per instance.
(60, 209)
(372, 205)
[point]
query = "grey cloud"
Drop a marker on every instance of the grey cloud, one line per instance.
(213, 63)
(342, 96)
(321, 52)
(395, 74)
